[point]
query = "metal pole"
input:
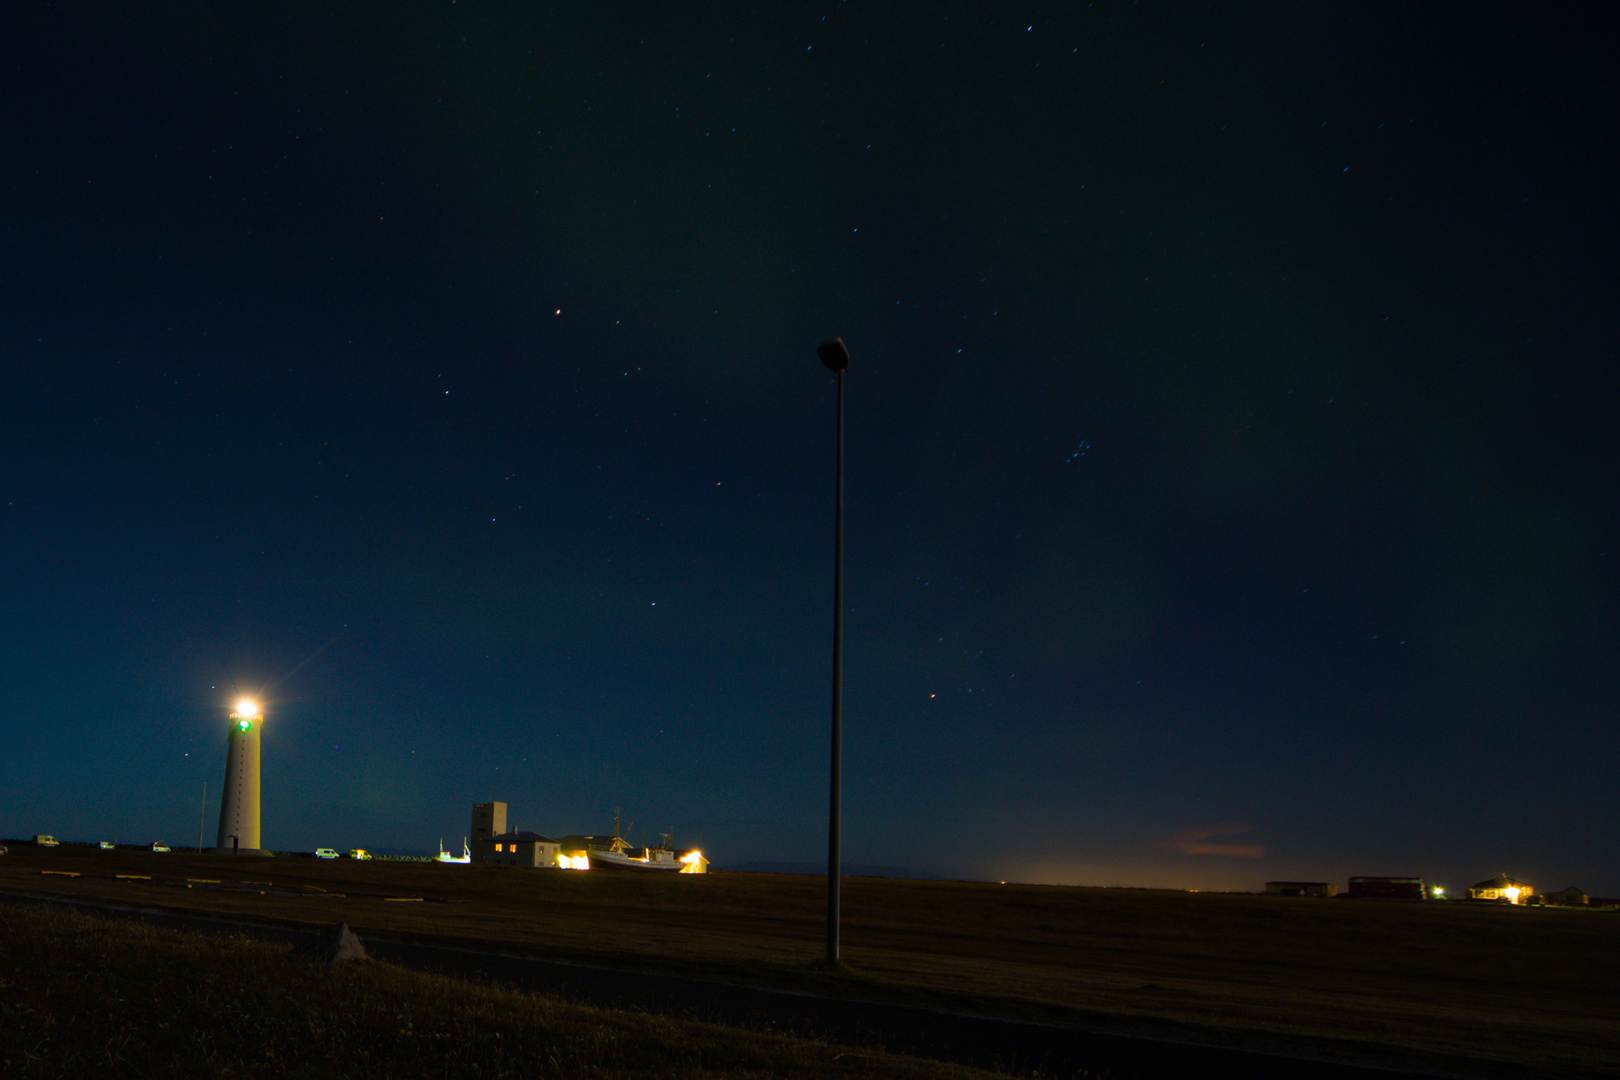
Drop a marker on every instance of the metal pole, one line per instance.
(202, 816)
(836, 357)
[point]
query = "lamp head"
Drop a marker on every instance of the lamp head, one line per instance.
(834, 354)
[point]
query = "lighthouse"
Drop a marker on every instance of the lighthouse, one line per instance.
(239, 806)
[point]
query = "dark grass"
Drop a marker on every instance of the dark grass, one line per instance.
(1529, 987)
(91, 997)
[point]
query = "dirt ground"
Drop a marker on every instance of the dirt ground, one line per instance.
(1534, 988)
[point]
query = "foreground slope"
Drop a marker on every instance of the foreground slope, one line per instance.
(1489, 984)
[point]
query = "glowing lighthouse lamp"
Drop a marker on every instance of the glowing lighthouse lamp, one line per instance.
(239, 806)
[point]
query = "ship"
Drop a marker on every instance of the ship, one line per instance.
(616, 853)
(445, 856)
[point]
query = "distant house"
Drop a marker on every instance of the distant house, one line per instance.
(1570, 897)
(1388, 888)
(1503, 888)
(520, 849)
(1301, 888)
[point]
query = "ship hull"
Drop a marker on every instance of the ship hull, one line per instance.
(612, 860)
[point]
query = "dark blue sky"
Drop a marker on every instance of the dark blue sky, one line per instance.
(1232, 452)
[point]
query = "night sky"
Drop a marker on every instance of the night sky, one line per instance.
(1231, 430)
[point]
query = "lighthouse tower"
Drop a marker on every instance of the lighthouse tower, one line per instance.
(239, 806)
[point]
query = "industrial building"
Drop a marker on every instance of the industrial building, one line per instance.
(488, 822)
(1301, 888)
(493, 841)
(1389, 888)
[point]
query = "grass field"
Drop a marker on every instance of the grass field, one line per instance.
(93, 997)
(1535, 988)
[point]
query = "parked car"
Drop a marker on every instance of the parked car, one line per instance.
(158, 845)
(44, 840)
(359, 853)
(325, 853)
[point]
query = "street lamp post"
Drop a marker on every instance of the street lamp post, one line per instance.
(836, 357)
